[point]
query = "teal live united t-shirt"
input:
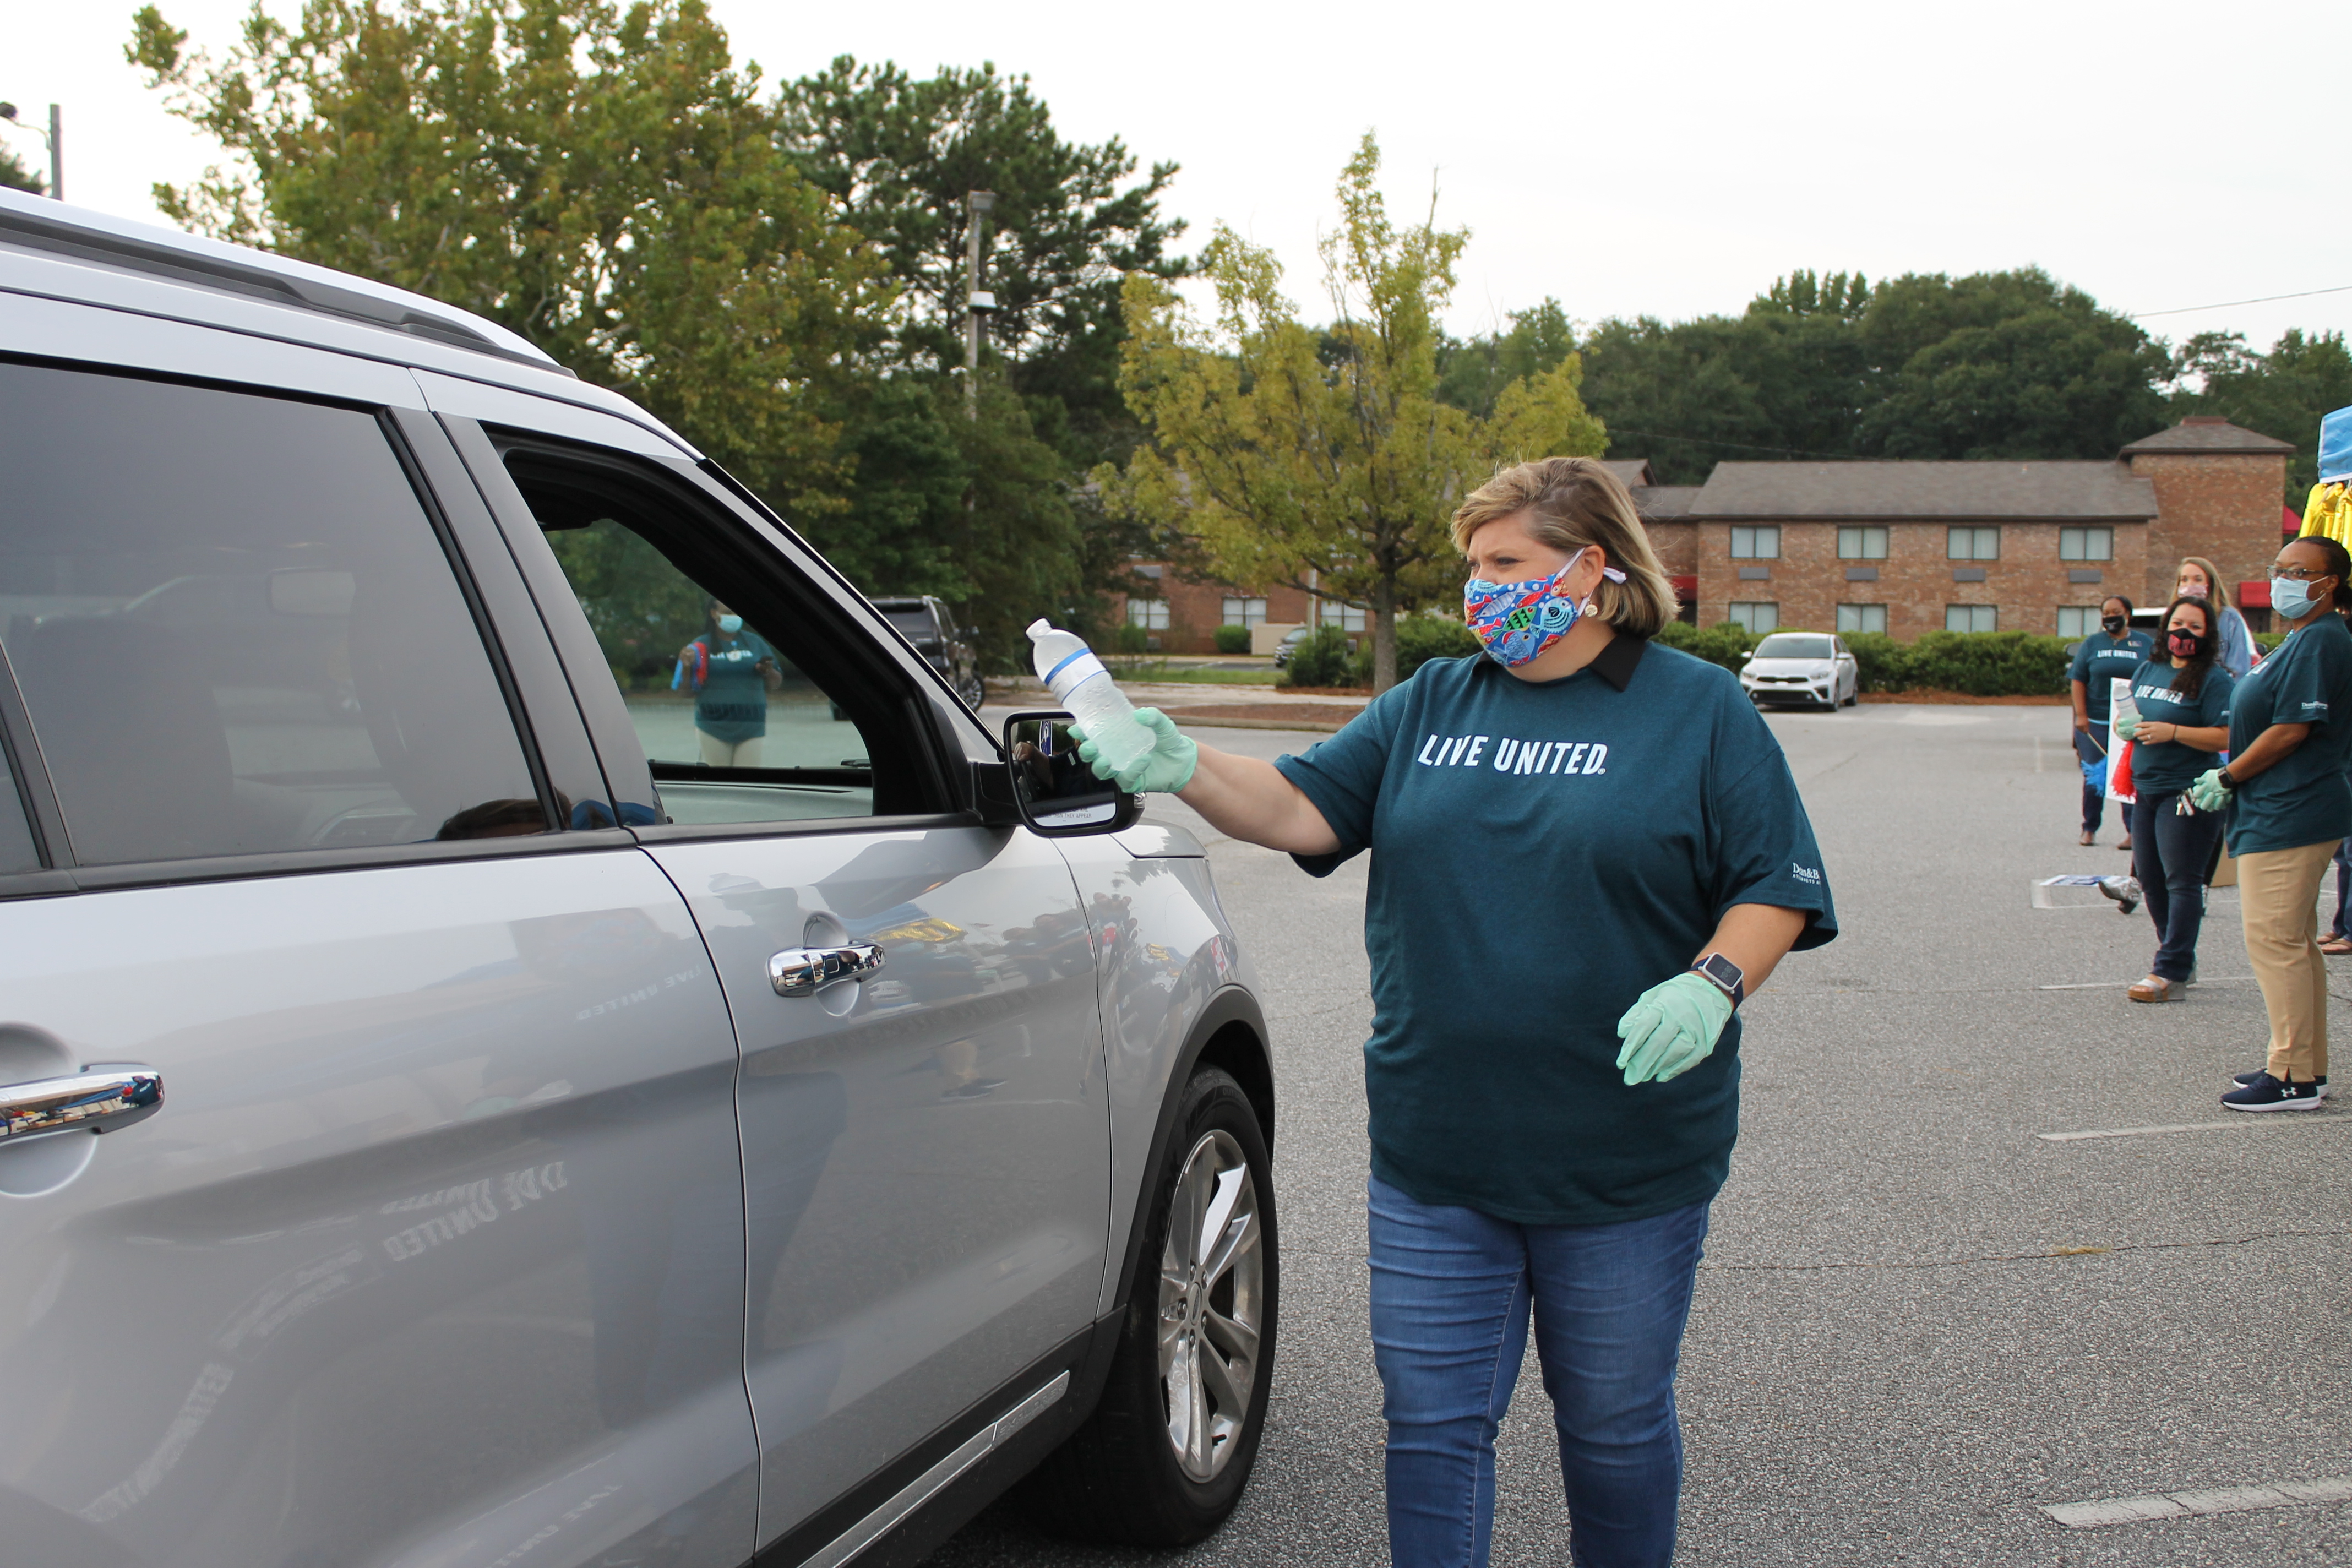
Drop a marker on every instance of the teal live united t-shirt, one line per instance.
(1542, 854)
(2305, 799)
(732, 705)
(2169, 766)
(2100, 659)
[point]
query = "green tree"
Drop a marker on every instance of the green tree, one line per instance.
(15, 176)
(1334, 470)
(604, 181)
(1472, 373)
(2283, 393)
(900, 154)
(2003, 364)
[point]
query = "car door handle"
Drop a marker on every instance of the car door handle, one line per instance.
(805, 971)
(102, 1100)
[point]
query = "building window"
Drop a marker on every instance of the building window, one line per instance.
(1239, 612)
(2077, 620)
(1861, 543)
(1972, 543)
(1755, 615)
(1756, 543)
(2086, 544)
(1968, 619)
(1862, 617)
(1347, 617)
(1152, 614)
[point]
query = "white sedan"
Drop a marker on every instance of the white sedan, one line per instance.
(1812, 667)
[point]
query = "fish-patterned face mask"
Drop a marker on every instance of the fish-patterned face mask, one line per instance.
(1517, 622)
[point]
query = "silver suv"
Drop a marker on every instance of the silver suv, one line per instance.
(567, 1097)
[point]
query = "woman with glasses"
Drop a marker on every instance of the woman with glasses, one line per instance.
(2289, 805)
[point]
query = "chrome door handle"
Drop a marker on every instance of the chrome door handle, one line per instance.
(805, 971)
(101, 1100)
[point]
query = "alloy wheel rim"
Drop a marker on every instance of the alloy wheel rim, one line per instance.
(1212, 1304)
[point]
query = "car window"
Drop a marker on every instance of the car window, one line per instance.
(1786, 645)
(715, 677)
(913, 622)
(236, 630)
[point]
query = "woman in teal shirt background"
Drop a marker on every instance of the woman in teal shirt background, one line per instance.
(2290, 804)
(2182, 699)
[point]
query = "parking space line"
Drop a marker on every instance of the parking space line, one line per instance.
(2211, 1499)
(2231, 1126)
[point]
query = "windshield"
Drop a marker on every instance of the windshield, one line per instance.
(1789, 645)
(914, 623)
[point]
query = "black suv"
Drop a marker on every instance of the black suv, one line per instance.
(931, 625)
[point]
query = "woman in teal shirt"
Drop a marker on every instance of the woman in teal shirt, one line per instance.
(2289, 805)
(2181, 698)
(1585, 850)
(2113, 650)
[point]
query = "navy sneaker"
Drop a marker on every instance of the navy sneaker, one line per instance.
(2267, 1093)
(2319, 1083)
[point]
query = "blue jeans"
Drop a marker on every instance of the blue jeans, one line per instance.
(2169, 854)
(1453, 1291)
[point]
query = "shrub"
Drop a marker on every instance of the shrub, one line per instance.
(2268, 641)
(1882, 664)
(1419, 638)
(1726, 644)
(1987, 663)
(1323, 660)
(1233, 639)
(1130, 640)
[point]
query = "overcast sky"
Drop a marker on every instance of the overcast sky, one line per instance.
(1668, 158)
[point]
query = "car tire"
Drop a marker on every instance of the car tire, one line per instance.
(1123, 1477)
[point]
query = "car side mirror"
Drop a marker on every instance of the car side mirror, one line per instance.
(1058, 795)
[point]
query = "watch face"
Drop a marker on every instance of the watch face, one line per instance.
(1722, 970)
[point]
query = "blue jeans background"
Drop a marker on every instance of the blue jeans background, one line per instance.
(2169, 854)
(1452, 1292)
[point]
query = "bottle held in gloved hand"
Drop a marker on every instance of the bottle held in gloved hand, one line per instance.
(1081, 684)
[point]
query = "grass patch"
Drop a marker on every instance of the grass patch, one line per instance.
(1203, 677)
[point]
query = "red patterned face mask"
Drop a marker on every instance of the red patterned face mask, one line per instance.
(2185, 644)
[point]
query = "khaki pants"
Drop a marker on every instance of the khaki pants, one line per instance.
(2278, 894)
(718, 753)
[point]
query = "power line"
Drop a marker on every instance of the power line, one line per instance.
(2226, 304)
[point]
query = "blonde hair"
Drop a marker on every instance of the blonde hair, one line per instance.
(2217, 595)
(1572, 504)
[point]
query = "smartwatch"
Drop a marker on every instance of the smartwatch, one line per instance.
(2225, 781)
(1724, 976)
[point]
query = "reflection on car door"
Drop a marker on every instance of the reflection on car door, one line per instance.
(433, 1252)
(925, 1150)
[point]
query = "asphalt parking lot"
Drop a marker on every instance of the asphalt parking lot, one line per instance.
(1919, 1320)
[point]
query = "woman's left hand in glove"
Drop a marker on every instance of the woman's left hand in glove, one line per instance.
(1670, 1028)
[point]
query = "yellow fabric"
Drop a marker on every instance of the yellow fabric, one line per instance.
(2329, 513)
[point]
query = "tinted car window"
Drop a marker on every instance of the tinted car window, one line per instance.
(735, 728)
(916, 625)
(1787, 646)
(237, 630)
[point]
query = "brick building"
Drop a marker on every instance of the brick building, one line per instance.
(1912, 547)
(1899, 547)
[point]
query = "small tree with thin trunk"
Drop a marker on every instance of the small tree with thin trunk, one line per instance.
(1326, 460)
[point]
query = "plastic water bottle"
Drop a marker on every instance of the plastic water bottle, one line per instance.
(1080, 683)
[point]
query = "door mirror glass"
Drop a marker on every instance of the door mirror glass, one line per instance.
(1058, 795)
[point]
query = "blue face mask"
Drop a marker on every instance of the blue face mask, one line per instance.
(730, 623)
(1518, 622)
(2291, 598)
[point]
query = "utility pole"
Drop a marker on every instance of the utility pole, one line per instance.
(56, 137)
(980, 301)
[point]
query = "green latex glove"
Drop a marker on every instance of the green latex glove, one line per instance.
(1166, 767)
(2208, 793)
(2125, 726)
(1671, 1028)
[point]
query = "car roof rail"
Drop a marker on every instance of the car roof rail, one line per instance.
(35, 223)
